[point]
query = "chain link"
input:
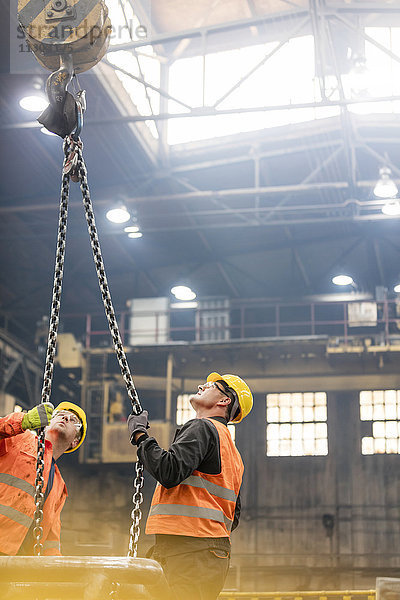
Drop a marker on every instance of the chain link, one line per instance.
(51, 351)
(114, 330)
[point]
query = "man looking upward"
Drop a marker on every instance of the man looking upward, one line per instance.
(196, 503)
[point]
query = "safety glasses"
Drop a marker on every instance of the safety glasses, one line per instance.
(69, 416)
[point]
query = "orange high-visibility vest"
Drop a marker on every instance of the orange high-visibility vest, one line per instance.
(18, 455)
(203, 505)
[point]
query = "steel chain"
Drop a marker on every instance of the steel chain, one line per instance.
(114, 330)
(51, 351)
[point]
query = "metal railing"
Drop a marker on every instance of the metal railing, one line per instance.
(250, 319)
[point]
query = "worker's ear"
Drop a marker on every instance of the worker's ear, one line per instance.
(74, 444)
(224, 402)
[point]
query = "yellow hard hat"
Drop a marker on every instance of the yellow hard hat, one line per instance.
(242, 391)
(79, 413)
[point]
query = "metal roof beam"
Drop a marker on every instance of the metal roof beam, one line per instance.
(198, 32)
(210, 112)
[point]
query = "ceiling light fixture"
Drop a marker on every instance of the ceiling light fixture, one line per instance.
(397, 288)
(183, 292)
(392, 208)
(342, 280)
(33, 103)
(135, 234)
(118, 215)
(131, 229)
(385, 186)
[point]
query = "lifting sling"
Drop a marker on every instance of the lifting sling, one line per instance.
(69, 37)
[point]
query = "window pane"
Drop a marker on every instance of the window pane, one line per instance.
(378, 429)
(321, 431)
(378, 396)
(273, 448)
(285, 414)
(320, 399)
(367, 445)
(321, 447)
(390, 411)
(309, 431)
(320, 413)
(390, 397)
(292, 420)
(272, 432)
(285, 400)
(379, 412)
(297, 448)
(297, 414)
(297, 431)
(366, 412)
(272, 400)
(365, 398)
(308, 413)
(380, 445)
(273, 414)
(391, 429)
(285, 448)
(309, 447)
(392, 446)
(309, 399)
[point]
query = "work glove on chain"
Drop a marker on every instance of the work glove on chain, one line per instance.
(137, 424)
(39, 416)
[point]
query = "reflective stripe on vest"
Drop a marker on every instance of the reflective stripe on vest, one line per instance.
(182, 510)
(15, 515)
(213, 488)
(16, 482)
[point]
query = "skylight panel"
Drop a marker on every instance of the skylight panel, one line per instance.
(142, 65)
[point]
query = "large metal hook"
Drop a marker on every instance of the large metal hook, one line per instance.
(64, 113)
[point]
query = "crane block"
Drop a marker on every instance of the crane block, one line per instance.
(54, 28)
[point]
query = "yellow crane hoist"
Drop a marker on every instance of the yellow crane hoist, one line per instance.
(67, 37)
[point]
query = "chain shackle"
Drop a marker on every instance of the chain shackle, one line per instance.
(115, 335)
(51, 350)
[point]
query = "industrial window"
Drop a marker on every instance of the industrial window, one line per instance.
(382, 409)
(296, 424)
(185, 412)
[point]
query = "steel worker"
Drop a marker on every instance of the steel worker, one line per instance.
(65, 432)
(196, 503)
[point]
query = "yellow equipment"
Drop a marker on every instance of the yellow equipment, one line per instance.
(60, 27)
(242, 391)
(79, 412)
(67, 37)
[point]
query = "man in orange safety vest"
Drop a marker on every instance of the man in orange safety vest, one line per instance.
(65, 432)
(196, 503)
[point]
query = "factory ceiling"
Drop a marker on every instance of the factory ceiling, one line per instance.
(256, 212)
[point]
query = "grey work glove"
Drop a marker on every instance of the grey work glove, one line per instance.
(137, 424)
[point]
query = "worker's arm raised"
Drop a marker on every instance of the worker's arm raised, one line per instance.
(195, 443)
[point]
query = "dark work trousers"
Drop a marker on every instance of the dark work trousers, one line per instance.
(198, 575)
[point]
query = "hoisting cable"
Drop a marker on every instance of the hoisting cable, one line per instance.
(77, 147)
(74, 166)
(51, 352)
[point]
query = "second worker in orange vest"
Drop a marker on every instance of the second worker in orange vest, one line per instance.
(196, 503)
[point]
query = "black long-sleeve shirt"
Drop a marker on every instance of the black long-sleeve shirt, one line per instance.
(195, 447)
